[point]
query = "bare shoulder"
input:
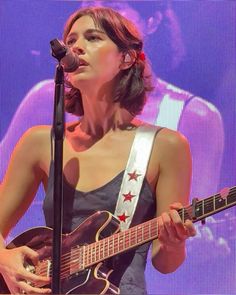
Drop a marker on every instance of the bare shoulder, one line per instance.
(34, 142)
(169, 142)
(37, 134)
(170, 148)
(166, 140)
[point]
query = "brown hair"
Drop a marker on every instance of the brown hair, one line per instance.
(135, 81)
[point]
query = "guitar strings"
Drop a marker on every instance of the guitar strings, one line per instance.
(89, 255)
(66, 261)
(204, 202)
(67, 257)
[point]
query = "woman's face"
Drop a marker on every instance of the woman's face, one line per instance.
(99, 56)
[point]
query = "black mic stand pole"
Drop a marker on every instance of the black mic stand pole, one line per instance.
(58, 134)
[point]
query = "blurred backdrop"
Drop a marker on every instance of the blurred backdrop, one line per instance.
(204, 65)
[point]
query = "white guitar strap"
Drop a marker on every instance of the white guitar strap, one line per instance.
(134, 174)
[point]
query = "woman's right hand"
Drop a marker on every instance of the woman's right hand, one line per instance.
(17, 278)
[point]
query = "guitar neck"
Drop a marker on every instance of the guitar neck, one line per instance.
(120, 242)
(201, 209)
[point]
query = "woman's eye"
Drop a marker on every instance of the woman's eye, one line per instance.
(93, 38)
(70, 42)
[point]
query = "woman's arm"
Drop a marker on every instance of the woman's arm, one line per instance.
(17, 191)
(21, 180)
(172, 191)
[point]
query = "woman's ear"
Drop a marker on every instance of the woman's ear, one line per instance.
(128, 60)
(153, 22)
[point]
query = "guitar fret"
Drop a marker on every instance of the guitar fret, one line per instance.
(129, 241)
(85, 256)
(125, 237)
(89, 254)
(219, 202)
(138, 234)
(109, 247)
(118, 244)
(81, 258)
(149, 229)
(113, 245)
(208, 206)
(145, 232)
(214, 202)
(93, 253)
(231, 197)
(99, 249)
(154, 228)
(132, 242)
(122, 242)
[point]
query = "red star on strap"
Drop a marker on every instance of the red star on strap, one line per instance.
(128, 197)
(123, 217)
(133, 176)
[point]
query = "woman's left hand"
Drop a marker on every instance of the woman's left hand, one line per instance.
(172, 231)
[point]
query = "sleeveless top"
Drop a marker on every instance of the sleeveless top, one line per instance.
(78, 205)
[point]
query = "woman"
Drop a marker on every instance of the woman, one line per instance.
(107, 91)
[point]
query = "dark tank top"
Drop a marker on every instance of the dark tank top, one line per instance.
(77, 206)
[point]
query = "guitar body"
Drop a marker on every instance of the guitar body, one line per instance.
(93, 280)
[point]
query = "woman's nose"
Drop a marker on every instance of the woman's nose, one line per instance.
(78, 47)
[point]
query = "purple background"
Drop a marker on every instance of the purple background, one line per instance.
(208, 70)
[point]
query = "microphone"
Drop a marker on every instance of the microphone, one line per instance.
(68, 59)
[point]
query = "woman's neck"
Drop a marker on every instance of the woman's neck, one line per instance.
(102, 114)
(101, 119)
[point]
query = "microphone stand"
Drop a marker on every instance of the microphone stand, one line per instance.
(58, 134)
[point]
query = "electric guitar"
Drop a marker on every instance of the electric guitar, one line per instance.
(98, 238)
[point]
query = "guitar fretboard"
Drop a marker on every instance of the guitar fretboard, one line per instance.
(209, 206)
